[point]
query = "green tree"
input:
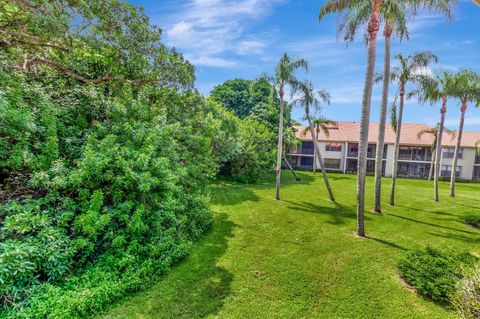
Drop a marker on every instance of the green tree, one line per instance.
(284, 76)
(467, 89)
(432, 90)
(235, 94)
(408, 71)
(309, 100)
(89, 41)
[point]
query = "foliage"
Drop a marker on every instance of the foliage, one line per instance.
(235, 95)
(473, 220)
(395, 13)
(255, 99)
(106, 153)
(254, 155)
(466, 298)
(434, 273)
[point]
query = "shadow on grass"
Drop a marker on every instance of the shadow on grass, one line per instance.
(426, 211)
(227, 193)
(459, 237)
(387, 243)
(338, 214)
(196, 288)
(430, 224)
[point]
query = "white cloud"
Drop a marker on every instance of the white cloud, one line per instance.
(211, 61)
(250, 47)
(208, 30)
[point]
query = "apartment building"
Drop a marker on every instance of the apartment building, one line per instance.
(340, 151)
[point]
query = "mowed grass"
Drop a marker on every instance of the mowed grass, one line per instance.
(299, 257)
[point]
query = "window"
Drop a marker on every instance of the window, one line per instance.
(352, 150)
(307, 148)
(476, 172)
(331, 163)
(450, 152)
(413, 169)
(447, 171)
(333, 147)
(307, 161)
(414, 153)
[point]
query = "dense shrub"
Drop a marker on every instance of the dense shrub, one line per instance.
(434, 273)
(473, 220)
(106, 153)
(466, 298)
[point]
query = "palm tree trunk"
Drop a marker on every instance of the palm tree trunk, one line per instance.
(290, 168)
(278, 169)
(373, 26)
(319, 157)
(397, 143)
(383, 118)
(438, 149)
(315, 138)
(457, 149)
(432, 165)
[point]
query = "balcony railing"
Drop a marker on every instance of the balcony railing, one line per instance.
(370, 154)
(451, 155)
(303, 151)
(415, 157)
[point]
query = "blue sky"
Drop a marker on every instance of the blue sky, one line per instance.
(226, 39)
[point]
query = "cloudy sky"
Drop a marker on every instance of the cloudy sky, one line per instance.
(227, 39)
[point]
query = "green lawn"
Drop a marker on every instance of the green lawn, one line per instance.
(299, 258)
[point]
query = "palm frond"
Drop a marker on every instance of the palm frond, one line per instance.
(324, 124)
(393, 116)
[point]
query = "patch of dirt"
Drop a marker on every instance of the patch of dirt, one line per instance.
(406, 285)
(472, 226)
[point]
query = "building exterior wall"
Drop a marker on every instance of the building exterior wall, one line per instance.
(467, 162)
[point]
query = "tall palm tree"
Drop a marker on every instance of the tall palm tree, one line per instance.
(353, 14)
(321, 124)
(408, 71)
(333, 6)
(284, 76)
(395, 16)
(467, 89)
(433, 131)
(432, 90)
(310, 101)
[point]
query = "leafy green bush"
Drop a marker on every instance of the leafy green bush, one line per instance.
(466, 298)
(473, 220)
(434, 273)
(106, 153)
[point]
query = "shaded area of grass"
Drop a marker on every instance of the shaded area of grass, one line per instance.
(194, 289)
(299, 258)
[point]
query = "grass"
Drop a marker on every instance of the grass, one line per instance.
(299, 258)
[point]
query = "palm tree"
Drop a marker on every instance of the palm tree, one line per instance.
(284, 76)
(354, 13)
(432, 90)
(394, 14)
(433, 131)
(408, 71)
(310, 101)
(333, 6)
(321, 124)
(467, 89)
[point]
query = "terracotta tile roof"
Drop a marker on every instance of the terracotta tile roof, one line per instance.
(350, 131)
